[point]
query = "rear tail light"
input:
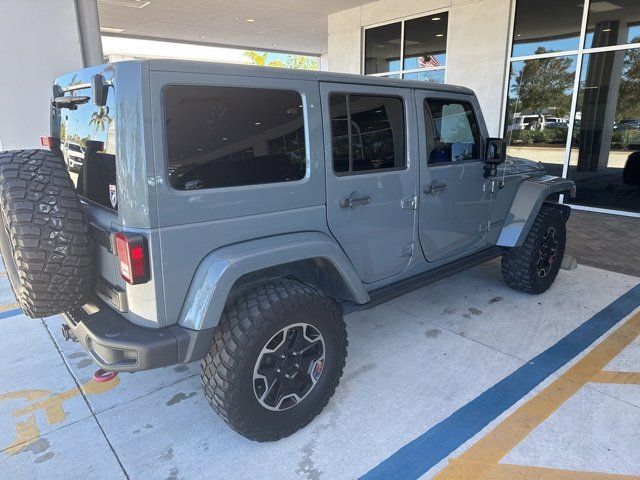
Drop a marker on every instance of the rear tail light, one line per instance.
(132, 257)
(50, 142)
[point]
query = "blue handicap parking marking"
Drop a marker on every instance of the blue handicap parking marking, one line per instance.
(423, 453)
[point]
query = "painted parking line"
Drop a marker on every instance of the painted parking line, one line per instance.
(9, 311)
(437, 443)
(481, 459)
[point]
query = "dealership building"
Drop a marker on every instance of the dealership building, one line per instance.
(558, 79)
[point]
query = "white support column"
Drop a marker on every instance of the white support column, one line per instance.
(39, 41)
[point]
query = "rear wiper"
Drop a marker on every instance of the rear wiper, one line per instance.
(70, 102)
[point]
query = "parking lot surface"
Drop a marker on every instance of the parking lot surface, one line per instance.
(461, 379)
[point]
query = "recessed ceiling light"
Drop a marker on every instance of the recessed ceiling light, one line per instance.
(250, 20)
(111, 29)
(237, 18)
(224, 139)
(199, 149)
(201, 37)
(435, 19)
(257, 124)
(519, 35)
(439, 34)
(314, 29)
(274, 44)
(606, 29)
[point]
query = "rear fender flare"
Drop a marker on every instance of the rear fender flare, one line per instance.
(221, 269)
(528, 200)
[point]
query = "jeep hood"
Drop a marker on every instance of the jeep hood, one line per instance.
(514, 165)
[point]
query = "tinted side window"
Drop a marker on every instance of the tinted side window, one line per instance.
(367, 133)
(232, 136)
(455, 131)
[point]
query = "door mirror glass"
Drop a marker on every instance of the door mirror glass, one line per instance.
(495, 154)
(496, 151)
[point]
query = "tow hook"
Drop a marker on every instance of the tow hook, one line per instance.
(67, 334)
(102, 376)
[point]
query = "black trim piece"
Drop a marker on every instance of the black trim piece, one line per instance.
(389, 292)
(116, 344)
(102, 237)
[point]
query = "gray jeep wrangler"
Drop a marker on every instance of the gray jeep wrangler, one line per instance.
(194, 211)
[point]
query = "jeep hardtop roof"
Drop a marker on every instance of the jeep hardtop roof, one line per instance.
(189, 66)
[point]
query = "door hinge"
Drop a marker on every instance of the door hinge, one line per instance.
(406, 251)
(485, 226)
(410, 203)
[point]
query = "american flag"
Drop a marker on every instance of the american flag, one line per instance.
(428, 61)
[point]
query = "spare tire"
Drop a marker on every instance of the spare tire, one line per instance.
(44, 236)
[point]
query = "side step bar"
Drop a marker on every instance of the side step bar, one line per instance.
(384, 294)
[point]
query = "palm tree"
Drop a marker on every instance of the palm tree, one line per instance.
(260, 59)
(100, 119)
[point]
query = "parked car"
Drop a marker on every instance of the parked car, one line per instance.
(627, 125)
(74, 155)
(241, 212)
(527, 122)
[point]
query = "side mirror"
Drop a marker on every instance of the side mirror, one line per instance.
(99, 90)
(495, 154)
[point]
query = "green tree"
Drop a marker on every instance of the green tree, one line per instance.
(260, 59)
(544, 85)
(100, 119)
(301, 62)
(629, 96)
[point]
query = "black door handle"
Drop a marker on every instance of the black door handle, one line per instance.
(354, 200)
(435, 187)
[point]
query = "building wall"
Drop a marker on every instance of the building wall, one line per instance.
(476, 52)
(39, 41)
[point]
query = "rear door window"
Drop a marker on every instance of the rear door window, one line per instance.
(233, 136)
(368, 133)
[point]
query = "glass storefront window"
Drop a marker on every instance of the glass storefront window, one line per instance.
(605, 149)
(602, 153)
(543, 26)
(425, 42)
(382, 48)
(414, 49)
(538, 110)
(613, 23)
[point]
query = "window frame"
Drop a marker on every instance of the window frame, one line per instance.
(402, 21)
(580, 53)
(165, 147)
(430, 133)
(350, 172)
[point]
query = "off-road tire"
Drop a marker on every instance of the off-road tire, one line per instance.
(519, 264)
(246, 326)
(44, 236)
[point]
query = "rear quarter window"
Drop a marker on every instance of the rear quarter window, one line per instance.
(233, 136)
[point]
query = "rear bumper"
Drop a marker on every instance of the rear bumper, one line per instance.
(116, 344)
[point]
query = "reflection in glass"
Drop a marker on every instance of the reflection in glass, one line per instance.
(553, 25)
(367, 133)
(425, 42)
(605, 154)
(538, 109)
(230, 136)
(613, 23)
(435, 76)
(88, 145)
(382, 49)
(455, 131)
